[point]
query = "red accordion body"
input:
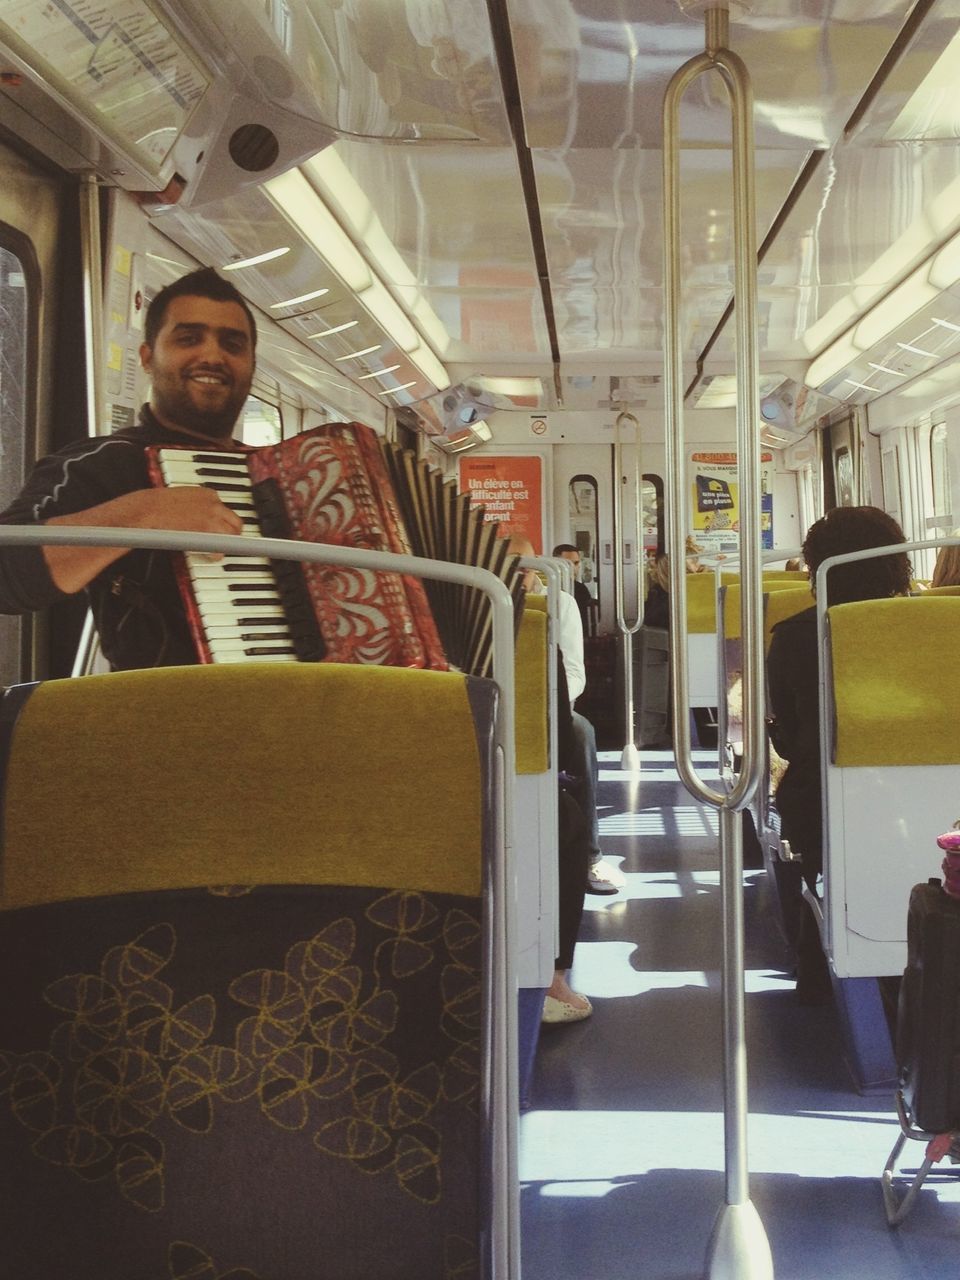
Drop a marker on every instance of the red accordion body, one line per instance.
(328, 485)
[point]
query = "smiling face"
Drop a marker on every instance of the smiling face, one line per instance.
(201, 365)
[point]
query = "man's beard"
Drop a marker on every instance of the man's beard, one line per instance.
(178, 407)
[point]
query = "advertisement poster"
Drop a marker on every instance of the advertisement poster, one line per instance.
(715, 502)
(509, 489)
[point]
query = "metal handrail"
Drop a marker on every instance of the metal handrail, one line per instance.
(93, 363)
(738, 1246)
(630, 757)
(504, 1103)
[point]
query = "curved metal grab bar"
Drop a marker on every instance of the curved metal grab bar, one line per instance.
(630, 757)
(738, 1246)
(504, 1101)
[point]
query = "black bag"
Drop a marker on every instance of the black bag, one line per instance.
(928, 1016)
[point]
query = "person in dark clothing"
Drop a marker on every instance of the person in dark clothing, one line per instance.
(656, 609)
(793, 686)
(584, 600)
(199, 347)
(561, 1003)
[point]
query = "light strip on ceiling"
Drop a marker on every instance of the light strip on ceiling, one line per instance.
(337, 185)
(304, 297)
(297, 201)
(931, 111)
(355, 355)
(923, 286)
(337, 328)
(255, 261)
(379, 373)
(388, 391)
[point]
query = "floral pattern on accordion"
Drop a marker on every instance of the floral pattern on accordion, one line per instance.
(335, 489)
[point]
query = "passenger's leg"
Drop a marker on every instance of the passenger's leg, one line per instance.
(562, 1003)
(602, 876)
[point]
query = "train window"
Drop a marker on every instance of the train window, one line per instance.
(15, 319)
(939, 471)
(261, 424)
(585, 529)
(890, 475)
(13, 373)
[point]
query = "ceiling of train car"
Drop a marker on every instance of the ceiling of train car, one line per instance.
(498, 167)
(423, 125)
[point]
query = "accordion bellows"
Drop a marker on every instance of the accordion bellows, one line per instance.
(340, 484)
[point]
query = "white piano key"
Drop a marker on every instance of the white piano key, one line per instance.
(249, 635)
(227, 650)
(232, 571)
(215, 610)
(224, 593)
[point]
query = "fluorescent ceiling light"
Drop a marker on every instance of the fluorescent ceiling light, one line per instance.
(297, 201)
(862, 385)
(830, 362)
(337, 328)
(385, 311)
(883, 369)
(932, 110)
(429, 366)
(379, 373)
(304, 297)
(388, 391)
(254, 262)
(946, 324)
(917, 351)
(915, 292)
(355, 211)
(355, 355)
(512, 386)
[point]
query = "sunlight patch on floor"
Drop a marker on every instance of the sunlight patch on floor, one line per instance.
(579, 1153)
(604, 970)
(682, 820)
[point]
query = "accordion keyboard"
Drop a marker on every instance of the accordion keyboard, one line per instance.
(237, 597)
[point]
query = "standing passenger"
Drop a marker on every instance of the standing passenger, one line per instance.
(793, 681)
(198, 348)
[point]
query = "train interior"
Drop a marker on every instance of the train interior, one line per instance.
(447, 219)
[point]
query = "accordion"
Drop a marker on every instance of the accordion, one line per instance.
(339, 484)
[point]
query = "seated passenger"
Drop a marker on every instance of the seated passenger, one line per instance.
(946, 572)
(585, 601)
(602, 876)
(793, 683)
(198, 349)
(656, 610)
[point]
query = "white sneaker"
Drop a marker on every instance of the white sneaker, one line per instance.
(604, 877)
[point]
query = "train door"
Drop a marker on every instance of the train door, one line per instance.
(31, 241)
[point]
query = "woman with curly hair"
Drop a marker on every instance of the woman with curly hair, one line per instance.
(946, 572)
(793, 684)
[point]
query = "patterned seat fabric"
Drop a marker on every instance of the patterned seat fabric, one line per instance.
(272, 1082)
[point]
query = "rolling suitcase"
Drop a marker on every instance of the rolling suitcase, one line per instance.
(928, 1017)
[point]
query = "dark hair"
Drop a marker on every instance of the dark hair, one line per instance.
(561, 547)
(856, 529)
(202, 283)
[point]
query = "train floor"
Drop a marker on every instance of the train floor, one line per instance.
(621, 1148)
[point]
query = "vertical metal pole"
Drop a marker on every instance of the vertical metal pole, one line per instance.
(92, 284)
(738, 1248)
(630, 756)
